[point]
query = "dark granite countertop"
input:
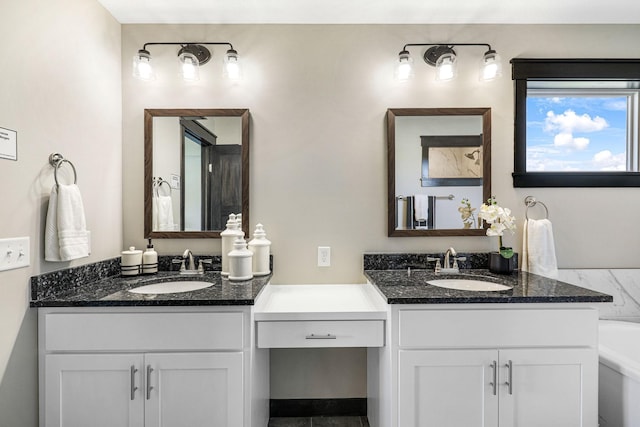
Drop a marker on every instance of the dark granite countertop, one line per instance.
(399, 287)
(96, 285)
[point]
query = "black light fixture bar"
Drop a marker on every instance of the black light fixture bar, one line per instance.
(432, 54)
(196, 48)
(443, 58)
(192, 54)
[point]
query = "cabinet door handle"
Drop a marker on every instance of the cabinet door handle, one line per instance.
(133, 371)
(149, 388)
(494, 383)
(510, 376)
(320, 337)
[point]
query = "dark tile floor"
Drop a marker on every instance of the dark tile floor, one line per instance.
(319, 422)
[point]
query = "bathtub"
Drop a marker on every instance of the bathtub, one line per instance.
(619, 374)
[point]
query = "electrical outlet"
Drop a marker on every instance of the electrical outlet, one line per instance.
(14, 253)
(324, 256)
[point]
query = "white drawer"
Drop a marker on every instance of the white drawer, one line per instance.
(312, 333)
(143, 331)
(451, 328)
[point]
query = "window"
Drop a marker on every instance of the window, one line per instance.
(576, 123)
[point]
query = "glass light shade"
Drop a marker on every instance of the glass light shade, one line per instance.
(490, 66)
(446, 67)
(142, 68)
(189, 67)
(232, 69)
(404, 68)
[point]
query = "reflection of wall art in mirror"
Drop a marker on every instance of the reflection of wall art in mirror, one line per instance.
(437, 157)
(451, 160)
(205, 152)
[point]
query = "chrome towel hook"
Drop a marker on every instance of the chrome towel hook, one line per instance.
(56, 160)
(531, 201)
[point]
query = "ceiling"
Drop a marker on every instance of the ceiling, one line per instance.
(374, 11)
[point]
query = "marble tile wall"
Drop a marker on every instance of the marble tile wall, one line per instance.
(622, 284)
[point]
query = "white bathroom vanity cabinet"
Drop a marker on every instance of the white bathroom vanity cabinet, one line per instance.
(495, 365)
(151, 367)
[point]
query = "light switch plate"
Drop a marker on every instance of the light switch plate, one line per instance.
(14, 253)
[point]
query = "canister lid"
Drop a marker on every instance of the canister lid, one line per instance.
(132, 251)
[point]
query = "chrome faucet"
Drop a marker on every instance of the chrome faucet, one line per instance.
(187, 263)
(451, 268)
(451, 252)
(188, 256)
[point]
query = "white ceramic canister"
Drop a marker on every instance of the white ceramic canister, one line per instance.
(240, 261)
(227, 239)
(260, 247)
(131, 262)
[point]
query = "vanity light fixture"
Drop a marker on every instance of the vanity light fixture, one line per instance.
(444, 59)
(190, 57)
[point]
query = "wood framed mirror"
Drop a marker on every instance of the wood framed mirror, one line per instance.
(196, 171)
(438, 160)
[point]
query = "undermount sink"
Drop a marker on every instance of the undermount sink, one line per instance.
(171, 287)
(469, 285)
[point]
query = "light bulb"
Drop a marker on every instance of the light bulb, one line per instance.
(142, 68)
(189, 67)
(490, 66)
(404, 68)
(446, 67)
(232, 68)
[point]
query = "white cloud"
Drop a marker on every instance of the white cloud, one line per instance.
(616, 105)
(570, 122)
(567, 140)
(607, 161)
(567, 123)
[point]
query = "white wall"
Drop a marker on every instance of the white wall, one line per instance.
(318, 97)
(60, 89)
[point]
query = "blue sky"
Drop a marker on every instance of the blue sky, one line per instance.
(579, 133)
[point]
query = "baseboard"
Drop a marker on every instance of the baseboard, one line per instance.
(318, 407)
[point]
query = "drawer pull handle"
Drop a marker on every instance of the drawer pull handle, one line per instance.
(149, 388)
(320, 337)
(133, 382)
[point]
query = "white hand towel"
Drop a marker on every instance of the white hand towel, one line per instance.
(73, 236)
(165, 213)
(51, 244)
(154, 213)
(538, 248)
(421, 207)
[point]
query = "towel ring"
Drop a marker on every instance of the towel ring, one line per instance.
(56, 160)
(531, 201)
(159, 183)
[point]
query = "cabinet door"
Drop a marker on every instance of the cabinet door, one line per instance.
(548, 387)
(93, 390)
(453, 388)
(194, 389)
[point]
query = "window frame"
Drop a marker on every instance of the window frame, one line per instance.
(567, 70)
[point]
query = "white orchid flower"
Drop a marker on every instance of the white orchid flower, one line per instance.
(496, 229)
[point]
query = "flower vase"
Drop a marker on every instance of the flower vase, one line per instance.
(501, 265)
